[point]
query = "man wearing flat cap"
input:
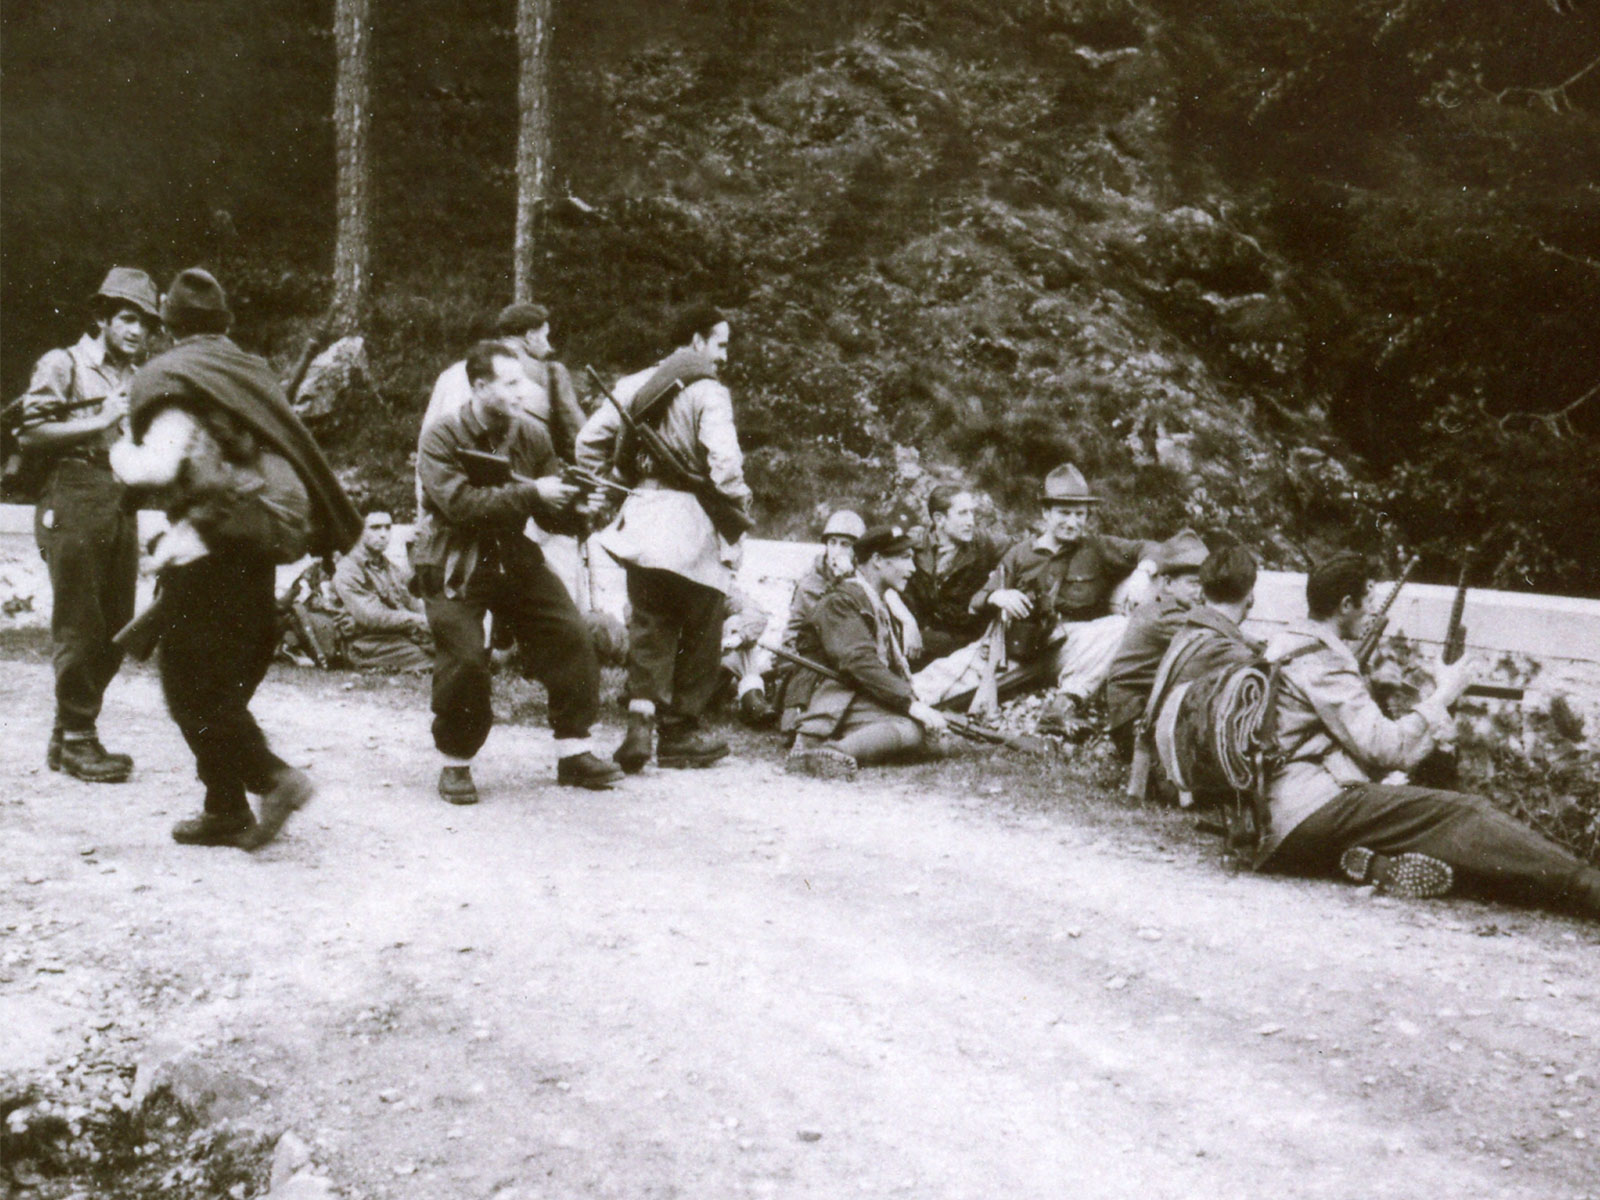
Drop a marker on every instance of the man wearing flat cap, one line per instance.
(71, 415)
(212, 439)
(1150, 631)
(1055, 593)
(523, 329)
(871, 714)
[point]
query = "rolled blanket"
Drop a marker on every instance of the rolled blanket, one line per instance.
(1216, 732)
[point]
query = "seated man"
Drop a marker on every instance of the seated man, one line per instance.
(1054, 592)
(1149, 633)
(870, 713)
(836, 563)
(951, 564)
(1326, 811)
(388, 627)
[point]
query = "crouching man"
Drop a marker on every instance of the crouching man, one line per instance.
(473, 557)
(1327, 810)
(871, 714)
(212, 436)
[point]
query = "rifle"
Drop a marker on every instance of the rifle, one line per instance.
(50, 410)
(1455, 645)
(314, 344)
(1026, 743)
(728, 518)
(137, 639)
(1380, 619)
(1455, 633)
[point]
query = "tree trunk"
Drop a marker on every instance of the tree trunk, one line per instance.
(533, 133)
(352, 33)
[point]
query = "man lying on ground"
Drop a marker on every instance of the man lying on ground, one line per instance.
(389, 628)
(873, 716)
(1054, 591)
(1327, 811)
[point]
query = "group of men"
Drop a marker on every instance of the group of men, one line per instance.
(886, 634)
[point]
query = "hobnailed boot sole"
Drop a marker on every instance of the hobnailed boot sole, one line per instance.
(824, 762)
(1411, 876)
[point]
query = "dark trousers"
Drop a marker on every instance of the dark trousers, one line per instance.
(214, 651)
(1489, 850)
(674, 645)
(553, 647)
(92, 549)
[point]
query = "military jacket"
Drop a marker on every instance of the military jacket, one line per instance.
(1144, 644)
(1072, 582)
(857, 637)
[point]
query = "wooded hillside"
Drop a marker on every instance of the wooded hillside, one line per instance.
(1323, 274)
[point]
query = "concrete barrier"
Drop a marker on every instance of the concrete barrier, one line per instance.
(1557, 635)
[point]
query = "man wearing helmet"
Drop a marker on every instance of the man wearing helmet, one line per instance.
(72, 413)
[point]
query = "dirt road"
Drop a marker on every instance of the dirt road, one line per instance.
(730, 983)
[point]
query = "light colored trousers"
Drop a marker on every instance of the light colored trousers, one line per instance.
(1080, 656)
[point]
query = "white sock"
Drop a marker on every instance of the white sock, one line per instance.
(645, 708)
(450, 760)
(567, 747)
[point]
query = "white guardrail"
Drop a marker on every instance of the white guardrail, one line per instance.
(1560, 634)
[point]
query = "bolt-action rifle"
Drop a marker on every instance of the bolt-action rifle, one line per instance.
(1368, 645)
(968, 729)
(1455, 645)
(728, 517)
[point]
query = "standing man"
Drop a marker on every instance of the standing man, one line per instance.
(71, 415)
(389, 627)
(874, 714)
(245, 488)
(473, 557)
(523, 329)
(677, 563)
(1328, 812)
(952, 562)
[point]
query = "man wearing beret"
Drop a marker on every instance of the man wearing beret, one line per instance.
(1150, 631)
(1054, 592)
(71, 415)
(873, 715)
(245, 487)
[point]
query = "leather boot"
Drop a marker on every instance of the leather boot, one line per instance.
(85, 758)
(208, 829)
(636, 746)
(586, 771)
(690, 748)
(291, 791)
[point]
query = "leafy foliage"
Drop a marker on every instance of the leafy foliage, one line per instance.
(1281, 269)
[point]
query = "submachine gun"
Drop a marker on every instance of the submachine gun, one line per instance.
(1368, 645)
